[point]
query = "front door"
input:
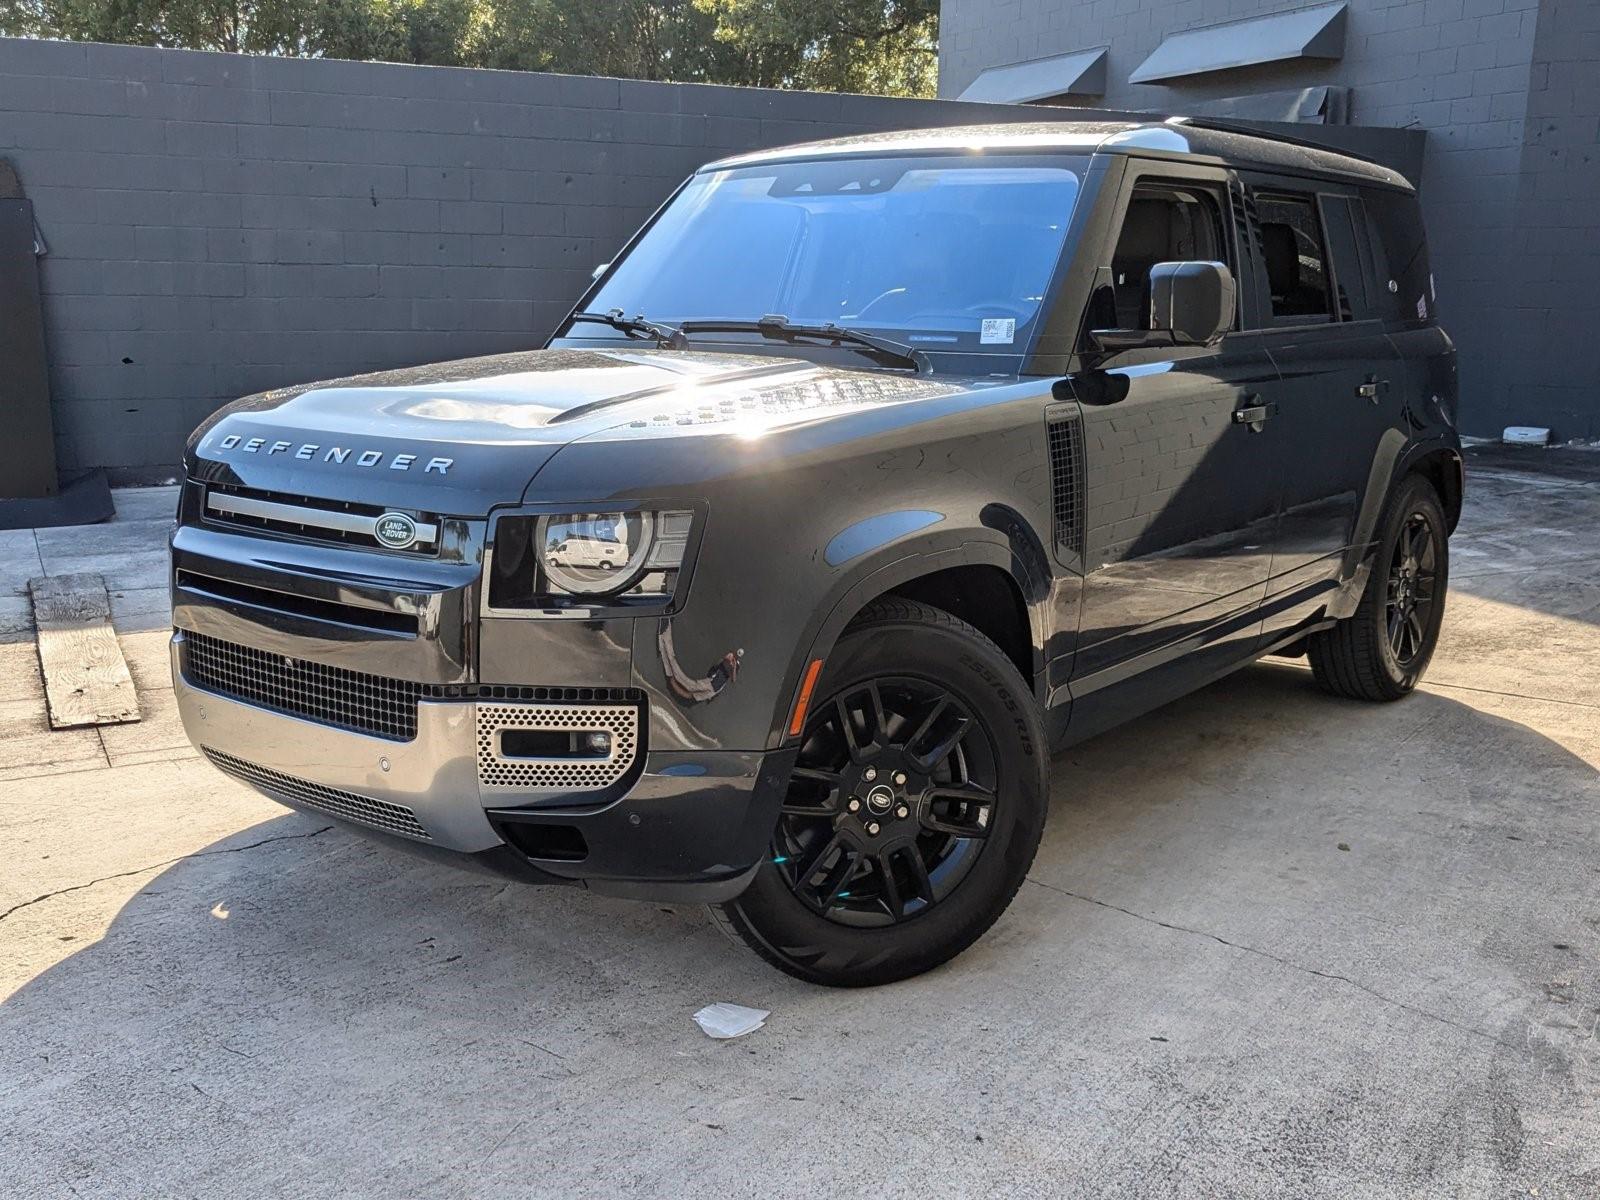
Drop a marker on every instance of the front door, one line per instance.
(1181, 474)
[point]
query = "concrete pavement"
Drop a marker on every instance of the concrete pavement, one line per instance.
(1273, 945)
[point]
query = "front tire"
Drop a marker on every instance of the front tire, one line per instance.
(915, 808)
(1381, 651)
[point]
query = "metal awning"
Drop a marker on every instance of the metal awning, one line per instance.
(1308, 33)
(1078, 73)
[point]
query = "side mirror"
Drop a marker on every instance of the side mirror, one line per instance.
(1194, 302)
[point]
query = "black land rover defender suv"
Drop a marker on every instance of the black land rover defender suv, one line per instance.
(871, 472)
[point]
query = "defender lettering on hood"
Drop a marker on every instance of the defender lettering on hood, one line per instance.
(334, 454)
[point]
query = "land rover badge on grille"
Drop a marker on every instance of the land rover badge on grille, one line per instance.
(395, 531)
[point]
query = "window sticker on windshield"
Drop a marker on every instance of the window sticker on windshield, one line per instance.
(998, 331)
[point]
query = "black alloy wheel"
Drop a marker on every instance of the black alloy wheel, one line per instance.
(1413, 578)
(1381, 650)
(890, 804)
(914, 808)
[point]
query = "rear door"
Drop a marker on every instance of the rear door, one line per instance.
(1427, 379)
(1180, 490)
(1337, 404)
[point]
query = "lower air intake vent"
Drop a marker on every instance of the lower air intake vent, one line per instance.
(355, 700)
(380, 814)
(556, 747)
(1066, 482)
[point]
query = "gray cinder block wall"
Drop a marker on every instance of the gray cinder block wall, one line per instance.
(218, 224)
(1509, 93)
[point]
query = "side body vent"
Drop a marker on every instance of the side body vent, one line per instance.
(1066, 481)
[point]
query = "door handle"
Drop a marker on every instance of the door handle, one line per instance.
(1372, 387)
(1254, 414)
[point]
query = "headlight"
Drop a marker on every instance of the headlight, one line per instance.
(559, 560)
(591, 554)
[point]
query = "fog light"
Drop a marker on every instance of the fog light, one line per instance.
(552, 744)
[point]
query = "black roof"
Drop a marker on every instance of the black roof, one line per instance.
(1137, 134)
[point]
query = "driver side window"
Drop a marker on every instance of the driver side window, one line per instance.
(1162, 224)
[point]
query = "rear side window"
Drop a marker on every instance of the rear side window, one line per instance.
(1291, 245)
(1351, 255)
(1404, 280)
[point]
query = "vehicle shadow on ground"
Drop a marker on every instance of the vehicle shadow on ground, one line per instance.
(295, 977)
(304, 893)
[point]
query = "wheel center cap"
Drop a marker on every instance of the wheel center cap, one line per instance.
(880, 799)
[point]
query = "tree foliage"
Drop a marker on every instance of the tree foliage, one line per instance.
(845, 45)
(880, 46)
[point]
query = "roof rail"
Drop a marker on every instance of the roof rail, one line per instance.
(1263, 130)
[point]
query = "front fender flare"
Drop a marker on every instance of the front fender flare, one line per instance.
(886, 569)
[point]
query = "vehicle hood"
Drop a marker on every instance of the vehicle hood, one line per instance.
(459, 437)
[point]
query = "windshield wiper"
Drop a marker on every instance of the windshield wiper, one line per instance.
(667, 337)
(775, 325)
(675, 337)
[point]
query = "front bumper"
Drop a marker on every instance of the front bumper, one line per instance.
(693, 825)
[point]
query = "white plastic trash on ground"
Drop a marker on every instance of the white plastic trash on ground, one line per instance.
(730, 1020)
(1526, 435)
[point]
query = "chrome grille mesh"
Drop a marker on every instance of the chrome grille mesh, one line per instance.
(355, 700)
(496, 770)
(380, 814)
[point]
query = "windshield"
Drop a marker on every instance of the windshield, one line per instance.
(942, 252)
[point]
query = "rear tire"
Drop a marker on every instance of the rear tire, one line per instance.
(915, 809)
(1381, 651)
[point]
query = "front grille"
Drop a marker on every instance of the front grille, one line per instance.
(380, 814)
(340, 522)
(383, 619)
(371, 704)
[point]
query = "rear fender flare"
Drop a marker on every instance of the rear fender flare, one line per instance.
(1392, 463)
